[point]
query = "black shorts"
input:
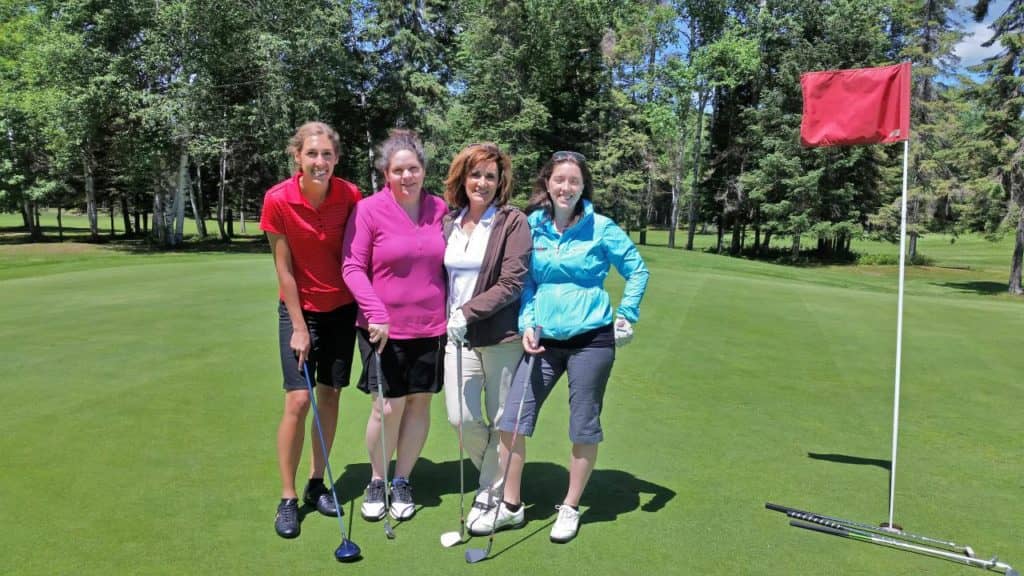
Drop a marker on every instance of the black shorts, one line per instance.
(413, 366)
(332, 337)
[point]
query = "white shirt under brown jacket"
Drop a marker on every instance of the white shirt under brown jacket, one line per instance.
(492, 313)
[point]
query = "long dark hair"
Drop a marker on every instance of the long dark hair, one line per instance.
(541, 200)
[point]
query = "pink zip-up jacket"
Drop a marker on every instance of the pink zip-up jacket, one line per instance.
(394, 267)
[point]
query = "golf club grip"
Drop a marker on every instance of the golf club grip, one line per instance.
(780, 508)
(819, 528)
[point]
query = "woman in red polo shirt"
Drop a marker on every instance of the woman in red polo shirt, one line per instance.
(304, 218)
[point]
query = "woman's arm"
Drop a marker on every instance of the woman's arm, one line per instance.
(515, 266)
(290, 295)
(356, 269)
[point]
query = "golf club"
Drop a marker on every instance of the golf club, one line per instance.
(474, 555)
(383, 447)
(840, 523)
(449, 539)
(347, 551)
(994, 564)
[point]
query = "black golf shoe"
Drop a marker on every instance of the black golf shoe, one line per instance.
(287, 521)
(316, 494)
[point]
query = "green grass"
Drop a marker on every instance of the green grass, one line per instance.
(142, 398)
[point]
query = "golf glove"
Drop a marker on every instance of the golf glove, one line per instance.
(623, 332)
(457, 327)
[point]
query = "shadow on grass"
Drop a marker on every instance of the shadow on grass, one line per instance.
(844, 459)
(985, 288)
(138, 244)
(609, 492)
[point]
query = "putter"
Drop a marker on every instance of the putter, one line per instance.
(994, 564)
(347, 551)
(449, 539)
(474, 555)
(840, 523)
(383, 447)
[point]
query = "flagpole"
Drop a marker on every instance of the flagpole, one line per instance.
(899, 334)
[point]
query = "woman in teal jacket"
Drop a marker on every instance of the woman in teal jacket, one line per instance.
(565, 301)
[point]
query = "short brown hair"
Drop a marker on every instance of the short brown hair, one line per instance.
(473, 155)
(312, 129)
(400, 139)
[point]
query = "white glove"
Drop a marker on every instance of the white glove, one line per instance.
(457, 327)
(623, 332)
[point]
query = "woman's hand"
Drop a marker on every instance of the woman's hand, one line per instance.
(623, 332)
(531, 341)
(300, 346)
(378, 335)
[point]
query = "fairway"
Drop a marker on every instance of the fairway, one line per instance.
(142, 395)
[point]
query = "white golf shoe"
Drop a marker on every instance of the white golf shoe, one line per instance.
(566, 525)
(506, 519)
(482, 504)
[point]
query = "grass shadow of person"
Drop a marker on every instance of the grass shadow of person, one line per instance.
(609, 493)
(430, 481)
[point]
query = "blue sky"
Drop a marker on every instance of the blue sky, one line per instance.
(970, 50)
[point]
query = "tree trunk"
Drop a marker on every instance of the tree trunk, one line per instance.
(126, 216)
(369, 145)
(795, 249)
(145, 222)
(90, 196)
(674, 214)
(138, 229)
(221, 185)
(197, 203)
(112, 230)
(241, 211)
(912, 247)
(1018, 255)
(179, 197)
(26, 222)
(60, 224)
(692, 223)
(159, 229)
(33, 224)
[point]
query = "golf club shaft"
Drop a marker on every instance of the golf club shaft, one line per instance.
(385, 459)
(853, 534)
(323, 447)
(515, 435)
(834, 522)
(462, 481)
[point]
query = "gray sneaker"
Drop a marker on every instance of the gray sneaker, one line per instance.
(373, 503)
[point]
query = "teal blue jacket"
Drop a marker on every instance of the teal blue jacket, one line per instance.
(564, 293)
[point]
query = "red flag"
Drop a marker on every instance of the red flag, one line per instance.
(859, 106)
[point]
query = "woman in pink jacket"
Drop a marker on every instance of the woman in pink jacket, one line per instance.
(393, 265)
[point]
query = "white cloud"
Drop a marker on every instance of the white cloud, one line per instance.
(970, 49)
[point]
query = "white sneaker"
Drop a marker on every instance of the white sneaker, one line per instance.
(482, 504)
(566, 525)
(506, 519)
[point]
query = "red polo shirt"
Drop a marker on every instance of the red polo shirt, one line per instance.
(314, 238)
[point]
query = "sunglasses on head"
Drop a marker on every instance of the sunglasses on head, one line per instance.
(568, 155)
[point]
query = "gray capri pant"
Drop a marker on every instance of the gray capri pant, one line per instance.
(588, 367)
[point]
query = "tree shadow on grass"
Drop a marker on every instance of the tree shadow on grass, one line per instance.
(845, 459)
(978, 287)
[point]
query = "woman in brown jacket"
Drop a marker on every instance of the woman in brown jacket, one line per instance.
(487, 260)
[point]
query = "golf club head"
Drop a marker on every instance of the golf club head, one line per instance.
(474, 555)
(969, 552)
(347, 551)
(388, 531)
(449, 539)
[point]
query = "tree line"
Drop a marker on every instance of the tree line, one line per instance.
(687, 110)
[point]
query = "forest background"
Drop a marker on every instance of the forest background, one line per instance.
(151, 112)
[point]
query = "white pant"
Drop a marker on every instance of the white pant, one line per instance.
(486, 377)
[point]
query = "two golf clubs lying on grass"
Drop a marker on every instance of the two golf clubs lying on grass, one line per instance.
(347, 551)
(891, 538)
